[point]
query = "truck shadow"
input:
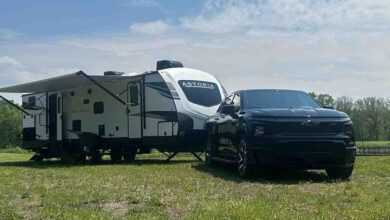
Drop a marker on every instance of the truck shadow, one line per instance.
(266, 176)
(59, 164)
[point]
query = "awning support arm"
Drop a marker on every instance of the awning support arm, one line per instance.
(102, 87)
(14, 105)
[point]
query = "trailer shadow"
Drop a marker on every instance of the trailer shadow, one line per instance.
(266, 176)
(59, 164)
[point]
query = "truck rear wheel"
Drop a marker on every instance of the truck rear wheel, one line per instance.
(343, 173)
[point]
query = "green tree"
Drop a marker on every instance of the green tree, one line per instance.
(345, 104)
(10, 125)
(371, 111)
(323, 99)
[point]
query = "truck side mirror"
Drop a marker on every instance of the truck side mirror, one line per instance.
(228, 109)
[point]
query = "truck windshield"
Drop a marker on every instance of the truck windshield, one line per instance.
(201, 93)
(276, 99)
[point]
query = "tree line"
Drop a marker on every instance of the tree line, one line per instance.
(10, 125)
(370, 115)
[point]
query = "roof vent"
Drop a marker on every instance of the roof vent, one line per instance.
(113, 73)
(166, 64)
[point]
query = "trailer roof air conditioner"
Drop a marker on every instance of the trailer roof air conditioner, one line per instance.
(166, 64)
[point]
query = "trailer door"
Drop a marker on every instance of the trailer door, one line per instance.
(55, 117)
(134, 109)
(59, 117)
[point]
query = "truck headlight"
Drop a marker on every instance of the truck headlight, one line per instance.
(259, 131)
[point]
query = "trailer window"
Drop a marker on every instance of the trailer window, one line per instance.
(31, 101)
(133, 95)
(201, 93)
(98, 107)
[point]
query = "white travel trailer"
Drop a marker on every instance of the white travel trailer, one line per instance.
(77, 115)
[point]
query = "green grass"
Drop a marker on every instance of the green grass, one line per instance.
(17, 150)
(185, 189)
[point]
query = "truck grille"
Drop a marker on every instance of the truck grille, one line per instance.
(299, 128)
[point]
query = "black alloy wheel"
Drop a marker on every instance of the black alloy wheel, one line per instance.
(245, 169)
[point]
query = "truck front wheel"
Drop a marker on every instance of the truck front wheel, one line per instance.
(343, 173)
(245, 169)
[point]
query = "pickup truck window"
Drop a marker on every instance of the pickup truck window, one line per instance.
(275, 99)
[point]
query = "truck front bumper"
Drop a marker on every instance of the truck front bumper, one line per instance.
(308, 152)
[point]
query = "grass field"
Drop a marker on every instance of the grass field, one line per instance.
(186, 189)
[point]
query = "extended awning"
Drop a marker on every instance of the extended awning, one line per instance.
(74, 80)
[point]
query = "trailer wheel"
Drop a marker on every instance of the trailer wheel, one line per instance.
(69, 157)
(96, 156)
(115, 155)
(129, 155)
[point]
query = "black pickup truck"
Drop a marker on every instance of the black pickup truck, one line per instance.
(280, 128)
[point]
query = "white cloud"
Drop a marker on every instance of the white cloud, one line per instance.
(154, 27)
(338, 47)
(224, 16)
(13, 71)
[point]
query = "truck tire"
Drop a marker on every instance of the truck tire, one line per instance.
(342, 173)
(245, 169)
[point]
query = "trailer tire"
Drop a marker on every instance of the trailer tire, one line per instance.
(115, 155)
(129, 155)
(96, 156)
(72, 156)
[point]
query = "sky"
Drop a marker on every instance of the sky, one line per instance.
(340, 47)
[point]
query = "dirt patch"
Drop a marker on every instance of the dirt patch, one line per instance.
(118, 208)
